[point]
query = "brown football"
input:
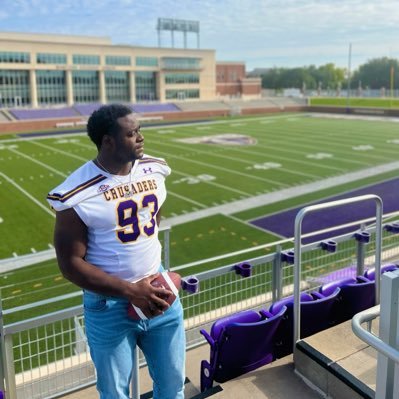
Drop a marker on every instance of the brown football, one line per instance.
(169, 280)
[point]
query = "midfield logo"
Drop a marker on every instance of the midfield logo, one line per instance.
(221, 139)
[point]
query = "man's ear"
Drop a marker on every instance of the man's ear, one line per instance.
(107, 141)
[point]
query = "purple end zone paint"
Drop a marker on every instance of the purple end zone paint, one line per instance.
(283, 223)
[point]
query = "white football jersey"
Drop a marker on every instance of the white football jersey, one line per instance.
(120, 214)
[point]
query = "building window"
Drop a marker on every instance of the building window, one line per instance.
(14, 57)
(181, 63)
(117, 86)
(85, 86)
(117, 60)
(181, 78)
(84, 59)
(147, 61)
(14, 88)
(51, 87)
(50, 58)
(182, 94)
(145, 86)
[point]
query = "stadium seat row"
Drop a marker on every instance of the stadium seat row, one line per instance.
(249, 339)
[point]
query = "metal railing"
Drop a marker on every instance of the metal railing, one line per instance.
(298, 248)
(47, 356)
(386, 343)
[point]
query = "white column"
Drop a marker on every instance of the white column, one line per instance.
(101, 81)
(160, 78)
(33, 88)
(132, 86)
(69, 87)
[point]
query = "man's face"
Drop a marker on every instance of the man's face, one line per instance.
(129, 142)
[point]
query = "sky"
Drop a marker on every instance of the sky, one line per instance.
(262, 33)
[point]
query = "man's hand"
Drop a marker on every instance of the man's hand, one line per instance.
(150, 299)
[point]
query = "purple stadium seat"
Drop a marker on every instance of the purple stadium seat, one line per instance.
(288, 301)
(329, 288)
(151, 108)
(316, 311)
(370, 273)
(238, 344)
(45, 113)
(87, 109)
(356, 295)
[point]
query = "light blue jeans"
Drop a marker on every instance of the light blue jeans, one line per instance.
(113, 336)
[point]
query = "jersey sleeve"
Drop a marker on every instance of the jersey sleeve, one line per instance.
(78, 186)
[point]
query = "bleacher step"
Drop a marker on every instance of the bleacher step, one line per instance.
(338, 363)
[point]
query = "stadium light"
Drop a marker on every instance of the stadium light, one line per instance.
(178, 25)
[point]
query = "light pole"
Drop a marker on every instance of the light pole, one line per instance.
(349, 78)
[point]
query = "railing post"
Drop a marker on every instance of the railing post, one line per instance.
(166, 248)
(277, 280)
(135, 385)
(2, 349)
(9, 368)
(360, 254)
(387, 370)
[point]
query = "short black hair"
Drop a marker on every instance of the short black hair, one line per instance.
(104, 121)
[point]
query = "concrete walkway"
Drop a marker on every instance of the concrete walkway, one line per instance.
(273, 381)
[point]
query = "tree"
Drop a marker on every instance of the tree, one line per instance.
(330, 76)
(376, 74)
(281, 78)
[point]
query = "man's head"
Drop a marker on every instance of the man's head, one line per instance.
(104, 121)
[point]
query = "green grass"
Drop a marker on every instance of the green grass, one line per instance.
(357, 102)
(203, 176)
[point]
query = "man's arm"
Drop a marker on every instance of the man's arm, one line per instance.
(70, 241)
(158, 216)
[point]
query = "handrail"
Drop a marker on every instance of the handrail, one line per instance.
(297, 249)
(368, 337)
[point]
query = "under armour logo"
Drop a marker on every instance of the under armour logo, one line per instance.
(149, 170)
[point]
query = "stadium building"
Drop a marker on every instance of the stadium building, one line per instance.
(39, 70)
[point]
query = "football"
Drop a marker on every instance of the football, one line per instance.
(169, 280)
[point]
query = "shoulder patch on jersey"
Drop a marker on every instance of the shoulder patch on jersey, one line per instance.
(143, 161)
(76, 190)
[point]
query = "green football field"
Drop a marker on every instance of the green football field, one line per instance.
(214, 165)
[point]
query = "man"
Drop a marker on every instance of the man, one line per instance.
(106, 240)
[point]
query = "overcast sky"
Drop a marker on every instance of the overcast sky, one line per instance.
(263, 33)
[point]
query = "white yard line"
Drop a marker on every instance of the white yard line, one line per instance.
(311, 149)
(38, 162)
(212, 183)
(273, 155)
(60, 151)
(235, 159)
(23, 191)
(187, 199)
(234, 172)
(248, 224)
